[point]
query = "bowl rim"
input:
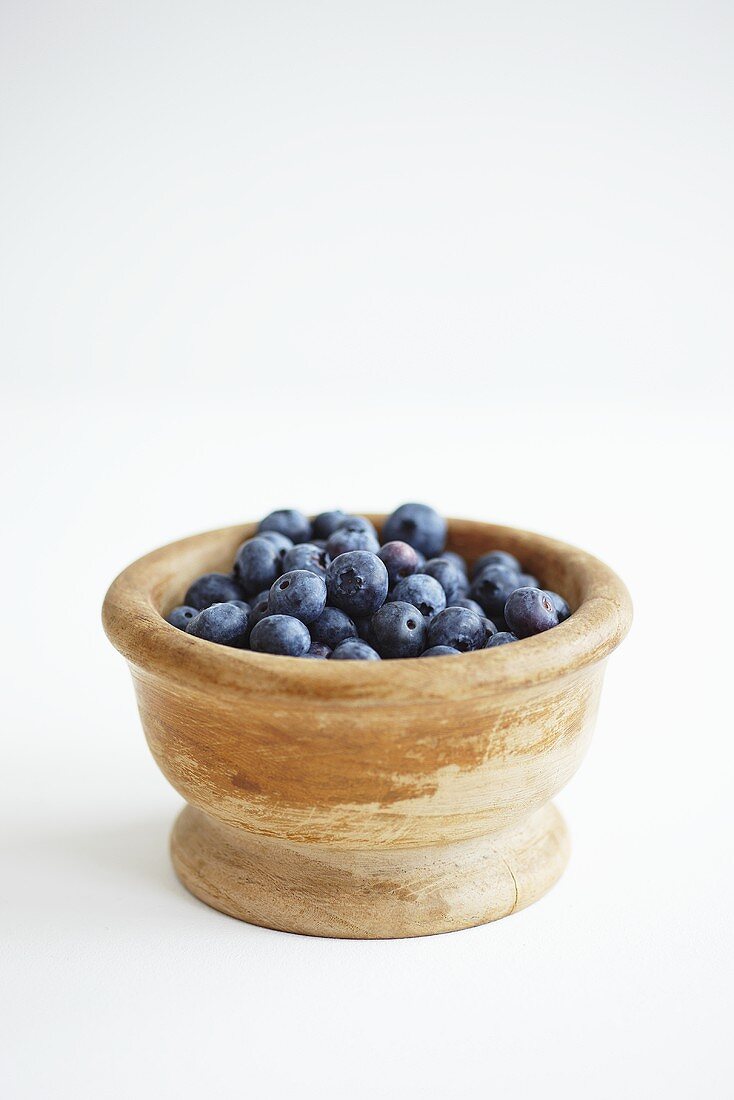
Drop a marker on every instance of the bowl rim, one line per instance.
(152, 646)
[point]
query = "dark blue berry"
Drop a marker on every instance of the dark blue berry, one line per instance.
(419, 525)
(560, 605)
(326, 523)
(364, 629)
(281, 543)
(357, 583)
(259, 607)
(399, 630)
(332, 627)
(354, 649)
(223, 623)
(502, 637)
(212, 588)
(400, 560)
(527, 580)
(440, 651)
(299, 593)
(459, 628)
(491, 627)
(456, 559)
(359, 523)
(257, 565)
(282, 635)
(471, 605)
(352, 536)
(491, 588)
(318, 651)
(306, 556)
(496, 557)
(530, 611)
(245, 607)
(453, 580)
(421, 591)
(289, 522)
(181, 616)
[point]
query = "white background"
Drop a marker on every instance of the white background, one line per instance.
(261, 255)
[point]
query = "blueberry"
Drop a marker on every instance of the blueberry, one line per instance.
(491, 588)
(281, 543)
(359, 523)
(527, 580)
(326, 523)
(471, 605)
(458, 628)
(299, 593)
(456, 559)
(282, 635)
(318, 651)
(306, 556)
(400, 560)
(490, 627)
(353, 535)
(289, 522)
(357, 583)
(530, 611)
(364, 629)
(354, 649)
(421, 591)
(453, 580)
(502, 637)
(320, 544)
(440, 651)
(418, 525)
(399, 630)
(224, 623)
(212, 588)
(332, 627)
(496, 557)
(257, 565)
(181, 616)
(259, 607)
(560, 605)
(245, 607)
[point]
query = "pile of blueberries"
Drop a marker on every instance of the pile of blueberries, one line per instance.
(328, 589)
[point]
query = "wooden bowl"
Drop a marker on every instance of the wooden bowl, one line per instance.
(368, 799)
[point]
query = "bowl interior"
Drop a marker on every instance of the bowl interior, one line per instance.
(150, 587)
(556, 571)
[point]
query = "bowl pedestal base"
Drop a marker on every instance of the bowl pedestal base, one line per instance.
(368, 894)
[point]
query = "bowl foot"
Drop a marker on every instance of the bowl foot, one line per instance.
(368, 894)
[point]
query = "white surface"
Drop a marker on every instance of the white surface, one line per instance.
(327, 256)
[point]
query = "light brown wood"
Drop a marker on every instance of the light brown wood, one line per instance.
(368, 894)
(368, 799)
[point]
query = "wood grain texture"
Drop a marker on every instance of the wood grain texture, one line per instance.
(322, 891)
(309, 772)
